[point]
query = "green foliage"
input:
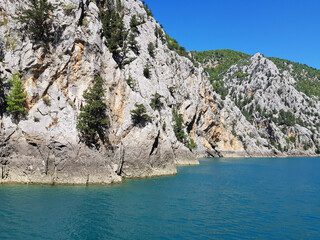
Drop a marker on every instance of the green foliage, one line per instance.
(309, 87)
(133, 44)
(223, 58)
(286, 118)
(308, 77)
(68, 9)
(191, 144)
(16, 98)
(117, 35)
(151, 49)
(158, 32)
(156, 103)
(134, 23)
(179, 132)
(139, 116)
(146, 8)
(218, 87)
(38, 18)
(93, 120)
(178, 127)
(174, 46)
(146, 72)
(131, 82)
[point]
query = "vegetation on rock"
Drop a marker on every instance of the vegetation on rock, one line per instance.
(139, 116)
(146, 71)
(38, 18)
(151, 49)
(156, 102)
(174, 46)
(16, 98)
(179, 131)
(308, 78)
(93, 120)
(146, 8)
(119, 41)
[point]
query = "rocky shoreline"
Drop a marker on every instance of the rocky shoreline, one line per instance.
(190, 118)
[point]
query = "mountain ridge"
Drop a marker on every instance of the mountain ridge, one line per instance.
(187, 113)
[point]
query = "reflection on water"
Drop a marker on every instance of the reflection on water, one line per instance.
(221, 198)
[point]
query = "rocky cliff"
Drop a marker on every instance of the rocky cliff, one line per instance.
(45, 147)
(278, 98)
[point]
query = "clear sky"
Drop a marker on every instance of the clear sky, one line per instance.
(287, 29)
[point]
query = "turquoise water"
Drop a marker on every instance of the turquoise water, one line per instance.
(220, 199)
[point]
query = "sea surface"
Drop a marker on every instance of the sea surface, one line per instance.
(259, 198)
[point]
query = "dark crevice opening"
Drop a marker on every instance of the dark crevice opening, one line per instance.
(155, 144)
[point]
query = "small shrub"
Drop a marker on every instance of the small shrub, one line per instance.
(146, 72)
(36, 119)
(139, 116)
(134, 23)
(148, 11)
(159, 34)
(131, 82)
(156, 103)
(133, 44)
(151, 49)
(191, 144)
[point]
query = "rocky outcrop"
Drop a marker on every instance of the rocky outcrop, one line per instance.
(284, 121)
(45, 146)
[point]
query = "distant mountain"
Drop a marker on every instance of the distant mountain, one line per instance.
(278, 97)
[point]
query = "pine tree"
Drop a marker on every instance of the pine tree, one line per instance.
(93, 120)
(139, 116)
(38, 19)
(16, 99)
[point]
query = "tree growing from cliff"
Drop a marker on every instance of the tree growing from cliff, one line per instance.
(139, 116)
(156, 102)
(93, 120)
(38, 19)
(178, 129)
(16, 98)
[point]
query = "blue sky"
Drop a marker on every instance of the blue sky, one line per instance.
(287, 29)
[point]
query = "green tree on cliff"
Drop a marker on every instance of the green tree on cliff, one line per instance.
(16, 98)
(93, 120)
(38, 18)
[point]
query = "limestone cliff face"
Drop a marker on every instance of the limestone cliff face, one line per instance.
(49, 151)
(284, 120)
(45, 147)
